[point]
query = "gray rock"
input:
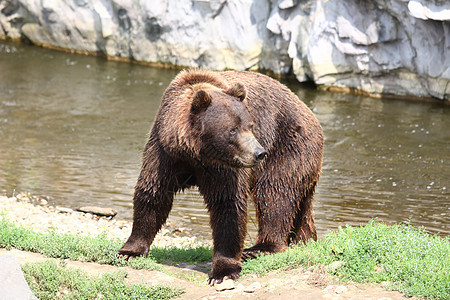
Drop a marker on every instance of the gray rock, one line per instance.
(227, 284)
(381, 46)
(373, 46)
(12, 282)
(64, 210)
(99, 211)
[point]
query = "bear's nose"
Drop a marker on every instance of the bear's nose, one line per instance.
(260, 154)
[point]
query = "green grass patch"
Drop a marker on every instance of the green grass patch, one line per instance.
(174, 255)
(413, 261)
(49, 280)
(97, 249)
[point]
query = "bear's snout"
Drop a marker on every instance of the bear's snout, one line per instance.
(251, 152)
(260, 154)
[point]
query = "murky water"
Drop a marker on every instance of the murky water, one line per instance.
(73, 127)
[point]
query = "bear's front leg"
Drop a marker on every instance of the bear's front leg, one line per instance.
(150, 213)
(228, 221)
(152, 202)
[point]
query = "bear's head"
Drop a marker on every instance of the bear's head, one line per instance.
(224, 126)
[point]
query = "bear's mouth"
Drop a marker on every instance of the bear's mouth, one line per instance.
(210, 154)
(244, 163)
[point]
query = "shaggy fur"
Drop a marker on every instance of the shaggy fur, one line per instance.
(212, 130)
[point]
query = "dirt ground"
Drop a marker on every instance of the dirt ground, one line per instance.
(293, 284)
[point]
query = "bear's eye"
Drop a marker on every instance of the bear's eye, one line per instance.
(233, 131)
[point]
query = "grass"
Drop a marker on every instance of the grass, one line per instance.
(97, 249)
(174, 255)
(49, 280)
(413, 261)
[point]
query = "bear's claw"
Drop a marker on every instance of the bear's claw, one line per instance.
(261, 249)
(127, 254)
(133, 248)
(125, 257)
(252, 254)
(214, 281)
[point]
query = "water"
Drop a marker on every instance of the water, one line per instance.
(73, 127)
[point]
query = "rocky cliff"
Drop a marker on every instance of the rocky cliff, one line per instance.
(379, 46)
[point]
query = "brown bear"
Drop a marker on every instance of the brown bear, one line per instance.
(234, 135)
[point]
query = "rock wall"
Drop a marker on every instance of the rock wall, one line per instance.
(379, 46)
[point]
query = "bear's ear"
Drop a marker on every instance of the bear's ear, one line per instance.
(200, 102)
(237, 90)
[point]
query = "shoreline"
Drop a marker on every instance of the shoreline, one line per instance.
(34, 212)
(275, 277)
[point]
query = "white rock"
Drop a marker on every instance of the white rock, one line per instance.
(65, 210)
(427, 11)
(13, 284)
(101, 211)
(227, 284)
(253, 287)
(340, 289)
(372, 45)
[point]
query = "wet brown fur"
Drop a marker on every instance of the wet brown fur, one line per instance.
(281, 186)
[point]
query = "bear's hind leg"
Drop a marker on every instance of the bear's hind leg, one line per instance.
(275, 209)
(303, 227)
